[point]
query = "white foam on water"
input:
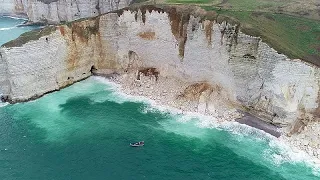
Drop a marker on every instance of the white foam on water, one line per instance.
(8, 28)
(285, 153)
(278, 150)
(2, 104)
(118, 95)
(12, 17)
(277, 153)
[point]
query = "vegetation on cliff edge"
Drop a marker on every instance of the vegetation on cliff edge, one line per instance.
(296, 37)
(307, 8)
(30, 36)
(292, 27)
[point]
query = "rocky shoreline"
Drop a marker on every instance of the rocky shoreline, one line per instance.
(166, 91)
(257, 123)
(308, 140)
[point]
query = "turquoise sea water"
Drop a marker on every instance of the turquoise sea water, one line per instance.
(9, 29)
(83, 132)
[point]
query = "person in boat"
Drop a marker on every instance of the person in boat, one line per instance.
(139, 143)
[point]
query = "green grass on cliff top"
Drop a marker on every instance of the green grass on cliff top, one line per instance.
(193, 1)
(249, 5)
(305, 8)
(295, 37)
(292, 27)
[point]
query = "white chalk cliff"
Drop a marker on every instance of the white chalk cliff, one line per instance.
(55, 11)
(242, 70)
(249, 72)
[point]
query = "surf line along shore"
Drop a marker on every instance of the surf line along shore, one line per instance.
(166, 92)
(171, 92)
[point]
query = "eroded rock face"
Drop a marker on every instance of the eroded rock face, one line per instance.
(238, 70)
(55, 11)
(7, 7)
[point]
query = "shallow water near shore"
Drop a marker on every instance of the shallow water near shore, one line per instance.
(84, 131)
(10, 29)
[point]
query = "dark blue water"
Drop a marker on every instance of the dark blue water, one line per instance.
(84, 131)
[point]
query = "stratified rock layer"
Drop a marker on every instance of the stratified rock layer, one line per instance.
(55, 11)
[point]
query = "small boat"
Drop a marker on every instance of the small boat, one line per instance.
(137, 144)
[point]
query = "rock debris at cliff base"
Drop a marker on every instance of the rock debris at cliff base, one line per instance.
(167, 91)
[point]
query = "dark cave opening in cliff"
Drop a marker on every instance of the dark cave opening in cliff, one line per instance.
(93, 69)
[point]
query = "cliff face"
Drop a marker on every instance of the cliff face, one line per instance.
(245, 72)
(55, 11)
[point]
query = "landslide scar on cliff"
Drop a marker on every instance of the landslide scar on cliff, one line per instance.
(208, 29)
(62, 30)
(179, 24)
(194, 91)
(83, 31)
(147, 35)
(297, 127)
(80, 35)
(148, 72)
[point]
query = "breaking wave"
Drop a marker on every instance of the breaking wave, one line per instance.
(3, 104)
(18, 18)
(8, 28)
(276, 152)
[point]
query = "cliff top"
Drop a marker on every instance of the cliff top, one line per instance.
(29, 36)
(292, 27)
(296, 37)
(307, 8)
